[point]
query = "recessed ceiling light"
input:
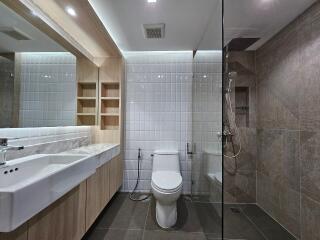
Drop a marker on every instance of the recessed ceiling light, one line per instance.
(71, 11)
(152, 1)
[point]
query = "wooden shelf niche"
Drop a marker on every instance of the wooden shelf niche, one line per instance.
(110, 105)
(87, 103)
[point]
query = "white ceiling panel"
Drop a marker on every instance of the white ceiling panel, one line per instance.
(186, 22)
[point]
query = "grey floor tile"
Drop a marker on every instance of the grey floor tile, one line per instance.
(169, 235)
(238, 226)
(122, 213)
(187, 221)
(126, 220)
(209, 216)
(114, 234)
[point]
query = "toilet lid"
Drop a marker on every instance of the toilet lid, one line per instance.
(167, 181)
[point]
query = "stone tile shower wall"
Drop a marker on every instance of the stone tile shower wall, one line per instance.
(48, 90)
(158, 112)
(288, 169)
(207, 120)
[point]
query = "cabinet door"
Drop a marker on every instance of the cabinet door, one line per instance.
(63, 220)
(97, 193)
(116, 173)
(120, 172)
(92, 204)
(105, 185)
(113, 176)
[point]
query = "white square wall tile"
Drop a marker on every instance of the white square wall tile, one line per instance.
(44, 73)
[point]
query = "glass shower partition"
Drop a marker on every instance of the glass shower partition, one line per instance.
(207, 96)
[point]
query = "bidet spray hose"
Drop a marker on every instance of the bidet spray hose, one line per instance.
(137, 181)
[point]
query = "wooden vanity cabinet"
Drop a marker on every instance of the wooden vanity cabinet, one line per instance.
(101, 187)
(98, 193)
(70, 217)
(116, 174)
(64, 219)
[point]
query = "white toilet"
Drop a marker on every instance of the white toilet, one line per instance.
(166, 186)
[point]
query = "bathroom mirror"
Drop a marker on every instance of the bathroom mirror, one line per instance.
(37, 76)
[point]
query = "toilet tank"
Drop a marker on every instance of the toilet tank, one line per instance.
(166, 161)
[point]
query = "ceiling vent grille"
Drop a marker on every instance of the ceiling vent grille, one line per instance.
(154, 31)
(14, 33)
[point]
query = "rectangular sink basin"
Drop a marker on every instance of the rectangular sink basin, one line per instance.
(30, 184)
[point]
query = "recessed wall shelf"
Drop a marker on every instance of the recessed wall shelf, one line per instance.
(86, 119)
(110, 105)
(87, 89)
(109, 122)
(87, 103)
(110, 89)
(242, 106)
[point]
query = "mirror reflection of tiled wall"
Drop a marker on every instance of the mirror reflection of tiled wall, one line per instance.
(48, 90)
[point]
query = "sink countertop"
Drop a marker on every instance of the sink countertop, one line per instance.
(102, 152)
(32, 183)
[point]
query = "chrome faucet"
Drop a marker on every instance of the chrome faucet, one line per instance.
(4, 147)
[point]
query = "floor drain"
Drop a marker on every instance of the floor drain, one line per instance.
(235, 210)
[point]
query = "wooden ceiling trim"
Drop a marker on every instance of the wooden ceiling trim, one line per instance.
(86, 27)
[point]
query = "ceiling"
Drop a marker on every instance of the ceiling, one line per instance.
(186, 22)
(194, 24)
(83, 28)
(39, 42)
(260, 18)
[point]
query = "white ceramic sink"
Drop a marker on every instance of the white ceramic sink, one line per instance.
(30, 184)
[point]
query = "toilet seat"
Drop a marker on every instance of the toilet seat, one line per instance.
(166, 181)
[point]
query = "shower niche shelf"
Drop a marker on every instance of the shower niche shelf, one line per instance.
(242, 106)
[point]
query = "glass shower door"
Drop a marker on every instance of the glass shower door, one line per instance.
(206, 174)
(207, 127)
